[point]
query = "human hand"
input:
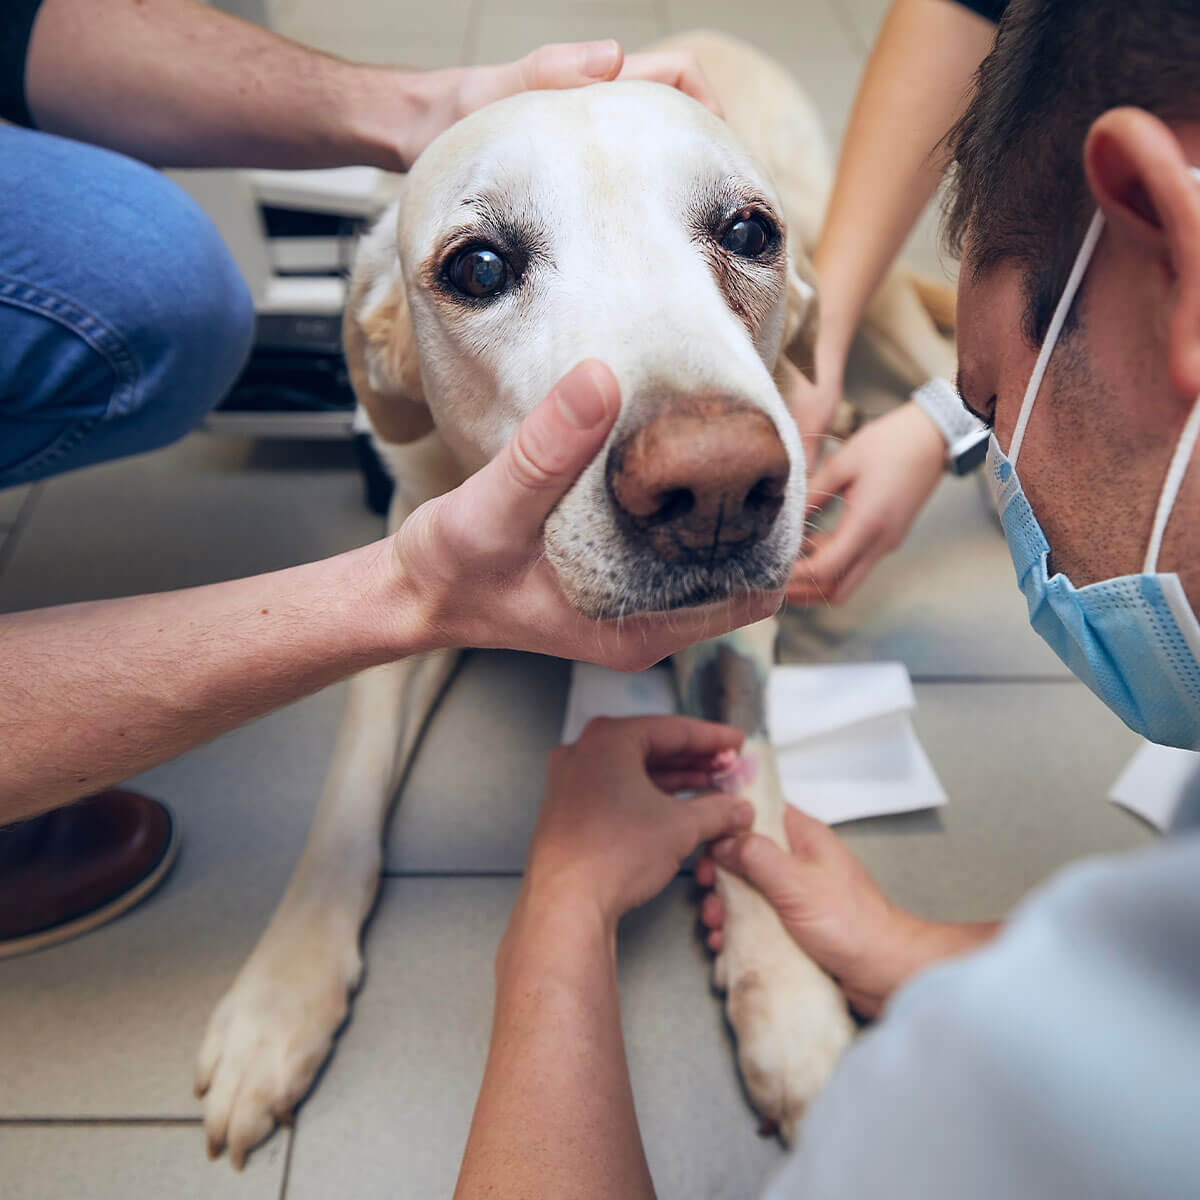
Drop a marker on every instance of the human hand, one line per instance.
(610, 834)
(829, 903)
(813, 405)
(884, 474)
(449, 95)
(472, 565)
(676, 68)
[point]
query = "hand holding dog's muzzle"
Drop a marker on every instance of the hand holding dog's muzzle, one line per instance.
(473, 560)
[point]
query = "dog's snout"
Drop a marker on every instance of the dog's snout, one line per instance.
(700, 482)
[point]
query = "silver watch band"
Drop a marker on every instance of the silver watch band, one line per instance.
(965, 435)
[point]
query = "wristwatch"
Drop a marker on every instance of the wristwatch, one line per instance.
(966, 436)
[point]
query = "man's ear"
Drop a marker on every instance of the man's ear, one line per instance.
(1141, 178)
(800, 319)
(378, 337)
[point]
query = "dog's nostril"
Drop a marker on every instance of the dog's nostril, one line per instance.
(673, 504)
(766, 493)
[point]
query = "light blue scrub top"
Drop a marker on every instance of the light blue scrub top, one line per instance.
(1063, 1061)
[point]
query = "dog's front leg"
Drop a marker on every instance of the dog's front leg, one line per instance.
(789, 1017)
(275, 1026)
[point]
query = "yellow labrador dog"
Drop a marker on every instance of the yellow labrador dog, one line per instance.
(623, 222)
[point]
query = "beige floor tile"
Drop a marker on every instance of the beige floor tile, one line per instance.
(203, 510)
(863, 17)
(813, 27)
(392, 1111)
(1027, 768)
(416, 35)
(11, 500)
(471, 799)
(505, 32)
(107, 1162)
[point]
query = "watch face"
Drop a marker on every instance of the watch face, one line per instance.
(966, 457)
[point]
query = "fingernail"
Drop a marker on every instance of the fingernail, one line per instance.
(581, 397)
(599, 58)
(744, 813)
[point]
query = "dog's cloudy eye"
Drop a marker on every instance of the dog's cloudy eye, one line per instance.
(747, 237)
(478, 272)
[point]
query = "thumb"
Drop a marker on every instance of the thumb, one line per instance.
(522, 484)
(761, 863)
(829, 480)
(717, 815)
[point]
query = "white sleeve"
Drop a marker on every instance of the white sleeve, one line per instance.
(1063, 1062)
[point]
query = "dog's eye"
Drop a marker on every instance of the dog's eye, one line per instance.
(748, 236)
(478, 272)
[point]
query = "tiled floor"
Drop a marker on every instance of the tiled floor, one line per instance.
(97, 1036)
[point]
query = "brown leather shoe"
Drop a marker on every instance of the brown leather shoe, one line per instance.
(71, 870)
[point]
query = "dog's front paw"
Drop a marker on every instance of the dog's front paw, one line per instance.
(271, 1032)
(792, 1026)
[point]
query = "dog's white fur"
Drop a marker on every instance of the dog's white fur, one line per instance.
(612, 186)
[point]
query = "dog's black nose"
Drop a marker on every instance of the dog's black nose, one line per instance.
(700, 482)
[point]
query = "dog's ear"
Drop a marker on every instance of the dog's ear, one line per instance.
(378, 337)
(800, 320)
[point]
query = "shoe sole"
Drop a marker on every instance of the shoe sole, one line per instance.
(116, 907)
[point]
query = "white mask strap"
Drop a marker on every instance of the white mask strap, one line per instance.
(1056, 323)
(1174, 481)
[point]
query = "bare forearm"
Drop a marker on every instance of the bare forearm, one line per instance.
(914, 945)
(555, 1114)
(176, 83)
(914, 87)
(90, 694)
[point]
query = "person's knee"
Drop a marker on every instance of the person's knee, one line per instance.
(193, 323)
(122, 321)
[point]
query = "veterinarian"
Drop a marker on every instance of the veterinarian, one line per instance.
(1060, 1059)
(123, 320)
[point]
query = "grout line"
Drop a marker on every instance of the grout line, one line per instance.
(994, 679)
(684, 872)
(468, 873)
(287, 1161)
(9, 545)
(121, 1122)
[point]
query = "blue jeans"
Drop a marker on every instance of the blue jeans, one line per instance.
(123, 318)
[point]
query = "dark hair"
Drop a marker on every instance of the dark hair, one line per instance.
(1017, 184)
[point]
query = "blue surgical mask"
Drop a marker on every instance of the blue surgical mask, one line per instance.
(1133, 640)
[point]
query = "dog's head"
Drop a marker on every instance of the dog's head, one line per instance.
(622, 222)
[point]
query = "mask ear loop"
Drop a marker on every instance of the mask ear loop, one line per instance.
(1171, 485)
(1056, 323)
